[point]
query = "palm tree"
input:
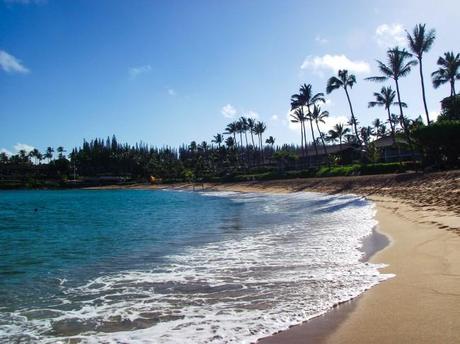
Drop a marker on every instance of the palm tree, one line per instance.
(386, 99)
(338, 132)
(318, 116)
(270, 141)
(230, 142)
(244, 128)
(396, 68)
(259, 129)
(307, 99)
(240, 130)
(379, 128)
(345, 81)
(298, 117)
(311, 100)
(447, 72)
(61, 152)
(251, 125)
(420, 42)
(49, 154)
(218, 139)
(232, 129)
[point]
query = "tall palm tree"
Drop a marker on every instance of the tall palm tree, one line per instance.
(259, 130)
(311, 100)
(298, 117)
(232, 129)
(49, 154)
(396, 68)
(447, 72)
(319, 116)
(218, 139)
(244, 128)
(230, 142)
(251, 125)
(420, 42)
(386, 98)
(61, 152)
(345, 81)
(338, 132)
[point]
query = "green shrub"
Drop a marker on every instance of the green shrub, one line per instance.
(440, 143)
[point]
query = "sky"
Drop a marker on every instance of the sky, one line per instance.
(169, 72)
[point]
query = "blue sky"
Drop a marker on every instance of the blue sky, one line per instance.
(168, 72)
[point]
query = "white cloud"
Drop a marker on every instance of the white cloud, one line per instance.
(390, 35)
(171, 92)
(433, 115)
(274, 117)
(23, 146)
(6, 151)
(228, 111)
(321, 40)
(11, 64)
(251, 114)
(334, 63)
(136, 71)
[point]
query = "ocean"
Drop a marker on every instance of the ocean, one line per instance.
(143, 266)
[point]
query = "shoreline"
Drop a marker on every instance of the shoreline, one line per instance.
(418, 304)
(420, 213)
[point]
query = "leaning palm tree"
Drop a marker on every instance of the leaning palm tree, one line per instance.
(345, 81)
(448, 71)
(420, 42)
(397, 68)
(319, 117)
(386, 98)
(338, 132)
(218, 139)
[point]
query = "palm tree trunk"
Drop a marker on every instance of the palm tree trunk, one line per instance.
(423, 91)
(313, 136)
(252, 139)
(301, 139)
(452, 88)
(353, 119)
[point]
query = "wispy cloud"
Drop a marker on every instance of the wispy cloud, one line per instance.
(389, 35)
(11, 64)
(274, 118)
(134, 72)
(6, 151)
(251, 114)
(321, 40)
(23, 146)
(171, 92)
(228, 111)
(333, 63)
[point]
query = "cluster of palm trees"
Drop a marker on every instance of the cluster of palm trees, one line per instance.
(305, 105)
(35, 155)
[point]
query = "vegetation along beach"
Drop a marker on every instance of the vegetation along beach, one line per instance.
(229, 172)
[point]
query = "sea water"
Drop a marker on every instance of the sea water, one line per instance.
(143, 266)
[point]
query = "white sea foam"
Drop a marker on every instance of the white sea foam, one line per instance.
(231, 291)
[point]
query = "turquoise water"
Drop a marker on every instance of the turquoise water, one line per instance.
(174, 267)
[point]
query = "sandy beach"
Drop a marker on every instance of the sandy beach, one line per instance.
(421, 216)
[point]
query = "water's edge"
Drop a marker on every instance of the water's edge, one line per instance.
(317, 328)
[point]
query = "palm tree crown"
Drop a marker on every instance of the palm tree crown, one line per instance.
(345, 81)
(448, 71)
